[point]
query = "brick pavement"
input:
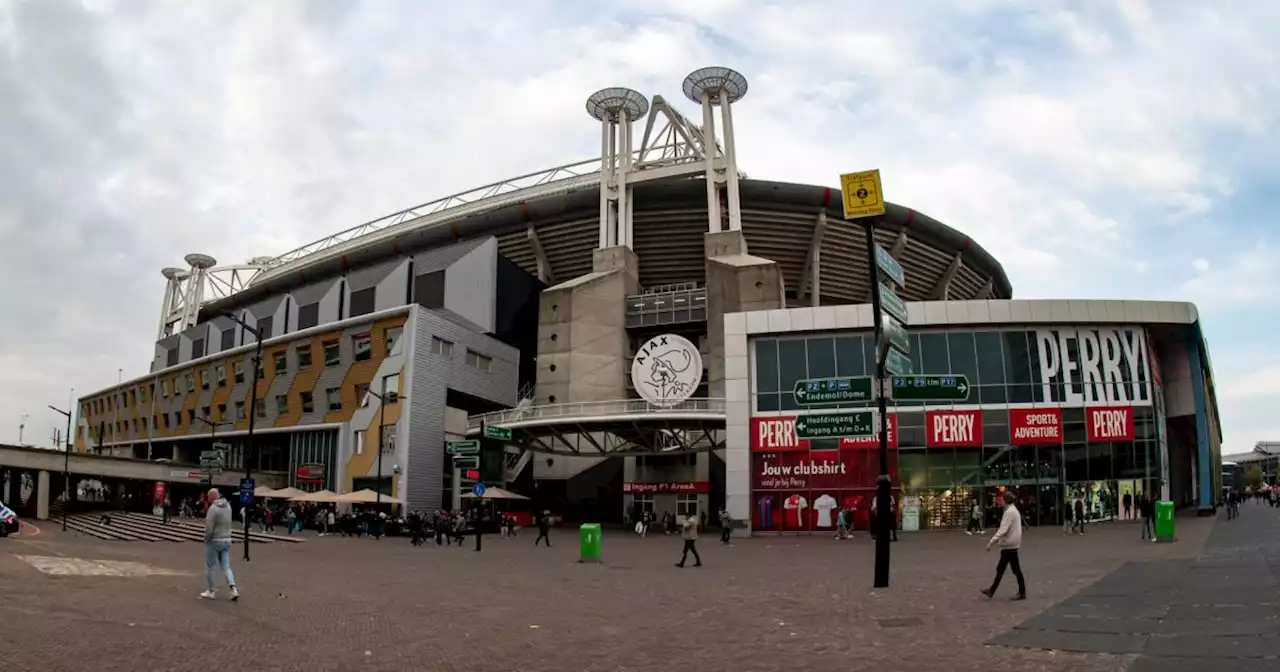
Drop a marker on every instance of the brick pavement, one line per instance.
(763, 604)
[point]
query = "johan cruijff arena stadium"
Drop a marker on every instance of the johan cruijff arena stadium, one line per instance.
(627, 334)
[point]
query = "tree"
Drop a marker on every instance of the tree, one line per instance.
(1253, 477)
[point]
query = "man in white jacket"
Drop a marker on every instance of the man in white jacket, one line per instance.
(1009, 539)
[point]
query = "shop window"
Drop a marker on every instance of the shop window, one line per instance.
(995, 428)
(332, 353)
(282, 363)
(942, 467)
(766, 365)
(792, 367)
(362, 346)
(822, 357)
(990, 358)
(1049, 459)
(308, 403)
(933, 354)
(393, 336)
(963, 354)
(333, 397)
(1076, 462)
(997, 469)
(304, 357)
(687, 505)
(849, 356)
(282, 404)
(913, 470)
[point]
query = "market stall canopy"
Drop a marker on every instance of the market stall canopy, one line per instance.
(318, 496)
(497, 493)
(263, 491)
(364, 497)
(287, 493)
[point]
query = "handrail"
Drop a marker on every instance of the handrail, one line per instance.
(587, 409)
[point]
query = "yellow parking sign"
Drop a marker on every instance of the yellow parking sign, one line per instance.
(862, 194)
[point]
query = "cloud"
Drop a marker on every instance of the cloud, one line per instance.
(1087, 147)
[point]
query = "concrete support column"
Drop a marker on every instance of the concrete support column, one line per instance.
(42, 496)
(736, 282)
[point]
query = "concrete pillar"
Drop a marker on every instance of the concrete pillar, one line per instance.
(42, 496)
(736, 282)
(583, 347)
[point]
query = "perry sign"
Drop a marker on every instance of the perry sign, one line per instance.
(773, 434)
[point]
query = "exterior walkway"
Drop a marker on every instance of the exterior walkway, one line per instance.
(1215, 613)
(770, 603)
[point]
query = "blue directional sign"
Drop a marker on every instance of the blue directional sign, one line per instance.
(246, 491)
(478, 489)
(897, 364)
(890, 266)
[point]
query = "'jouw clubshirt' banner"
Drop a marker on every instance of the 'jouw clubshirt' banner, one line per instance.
(951, 429)
(1031, 426)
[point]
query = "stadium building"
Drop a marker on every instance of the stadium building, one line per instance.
(623, 334)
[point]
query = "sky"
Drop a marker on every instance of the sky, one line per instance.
(1097, 149)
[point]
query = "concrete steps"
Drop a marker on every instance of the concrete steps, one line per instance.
(127, 526)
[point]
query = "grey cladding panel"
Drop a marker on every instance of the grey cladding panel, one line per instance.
(442, 258)
(368, 278)
(266, 308)
(314, 292)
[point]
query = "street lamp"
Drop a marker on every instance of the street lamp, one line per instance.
(66, 468)
(253, 413)
(382, 408)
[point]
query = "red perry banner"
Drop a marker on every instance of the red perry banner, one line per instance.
(699, 487)
(1030, 426)
(947, 429)
(775, 434)
(1110, 423)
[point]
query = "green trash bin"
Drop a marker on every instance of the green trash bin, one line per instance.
(589, 542)
(1164, 521)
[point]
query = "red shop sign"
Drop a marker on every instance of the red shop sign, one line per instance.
(778, 433)
(822, 469)
(951, 429)
(159, 491)
(1111, 423)
(695, 487)
(1028, 426)
(311, 473)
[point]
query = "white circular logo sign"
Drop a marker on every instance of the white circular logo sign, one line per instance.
(667, 370)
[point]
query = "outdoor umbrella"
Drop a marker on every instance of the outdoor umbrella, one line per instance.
(319, 496)
(497, 493)
(364, 497)
(263, 491)
(287, 493)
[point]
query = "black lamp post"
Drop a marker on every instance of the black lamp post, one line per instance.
(66, 468)
(253, 413)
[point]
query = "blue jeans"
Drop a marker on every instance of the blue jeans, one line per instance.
(218, 554)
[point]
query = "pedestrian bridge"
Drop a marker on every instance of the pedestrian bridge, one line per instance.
(102, 466)
(610, 428)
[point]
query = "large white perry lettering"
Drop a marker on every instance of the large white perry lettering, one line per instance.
(779, 433)
(953, 428)
(1101, 354)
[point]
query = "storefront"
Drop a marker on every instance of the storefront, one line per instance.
(1053, 414)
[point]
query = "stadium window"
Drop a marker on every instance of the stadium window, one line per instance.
(362, 345)
(308, 403)
(282, 404)
(333, 396)
(393, 335)
(362, 394)
(479, 361)
(239, 410)
(237, 371)
(221, 373)
(304, 357)
(282, 363)
(391, 384)
(332, 353)
(441, 347)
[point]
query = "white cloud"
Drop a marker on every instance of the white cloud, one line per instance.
(1086, 147)
(1200, 265)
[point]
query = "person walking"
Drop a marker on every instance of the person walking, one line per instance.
(1146, 509)
(544, 529)
(217, 545)
(975, 519)
(1078, 527)
(689, 532)
(726, 526)
(1127, 502)
(1009, 539)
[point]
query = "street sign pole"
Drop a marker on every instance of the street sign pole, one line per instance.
(883, 497)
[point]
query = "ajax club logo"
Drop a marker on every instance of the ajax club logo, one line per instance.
(667, 370)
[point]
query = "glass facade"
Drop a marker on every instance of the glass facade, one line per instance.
(1053, 414)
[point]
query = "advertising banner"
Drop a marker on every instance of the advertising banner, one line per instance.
(846, 470)
(1030, 426)
(778, 433)
(1111, 423)
(952, 429)
(696, 487)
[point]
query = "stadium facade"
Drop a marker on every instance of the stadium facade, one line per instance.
(525, 308)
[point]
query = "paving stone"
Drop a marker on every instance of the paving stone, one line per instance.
(1214, 648)
(1080, 642)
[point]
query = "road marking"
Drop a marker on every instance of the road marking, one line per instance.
(64, 566)
(22, 524)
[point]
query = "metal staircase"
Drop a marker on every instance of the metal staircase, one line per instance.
(518, 458)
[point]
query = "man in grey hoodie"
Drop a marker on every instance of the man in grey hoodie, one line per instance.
(217, 545)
